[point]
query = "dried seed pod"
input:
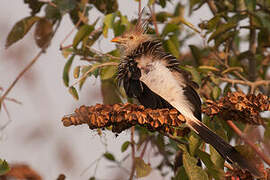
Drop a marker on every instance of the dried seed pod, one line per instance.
(235, 106)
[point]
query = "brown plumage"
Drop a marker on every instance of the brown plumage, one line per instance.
(152, 75)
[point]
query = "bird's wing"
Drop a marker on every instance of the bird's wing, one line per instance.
(129, 75)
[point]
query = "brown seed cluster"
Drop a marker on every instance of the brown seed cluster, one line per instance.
(123, 116)
(237, 106)
(245, 175)
(21, 171)
(238, 174)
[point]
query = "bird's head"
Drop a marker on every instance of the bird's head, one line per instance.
(132, 38)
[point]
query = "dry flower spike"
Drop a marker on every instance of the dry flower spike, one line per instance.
(123, 116)
(235, 106)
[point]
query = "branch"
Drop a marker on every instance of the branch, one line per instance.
(253, 85)
(43, 49)
(227, 66)
(252, 49)
(154, 20)
(212, 6)
(247, 141)
(93, 69)
(132, 153)
(20, 75)
(73, 29)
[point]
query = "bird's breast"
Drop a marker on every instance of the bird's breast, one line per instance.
(164, 83)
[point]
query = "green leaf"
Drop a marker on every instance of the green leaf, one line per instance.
(181, 174)
(250, 4)
(213, 170)
(109, 156)
(150, 2)
(43, 32)
(195, 51)
(83, 32)
(125, 146)
(108, 72)
(179, 10)
(142, 169)
(65, 5)
(194, 143)
(118, 28)
(83, 71)
(222, 28)
(216, 158)
(105, 6)
(195, 74)
(264, 38)
(124, 20)
(76, 72)
(34, 5)
(52, 13)
(267, 132)
(20, 29)
(216, 92)
(193, 171)
(4, 168)
(162, 3)
(73, 92)
(230, 69)
(213, 23)
(224, 37)
(172, 48)
(192, 4)
(108, 23)
(169, 28)
(208, 68)
(67, 69)
(109, 92)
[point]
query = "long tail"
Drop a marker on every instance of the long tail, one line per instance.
(228, 152)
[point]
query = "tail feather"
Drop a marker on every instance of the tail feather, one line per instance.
(227, 151)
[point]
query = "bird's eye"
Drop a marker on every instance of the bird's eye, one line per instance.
(131, 37)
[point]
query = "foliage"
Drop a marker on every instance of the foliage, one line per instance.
(4, 168)
(219, 66)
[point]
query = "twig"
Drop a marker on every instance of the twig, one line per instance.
(90, 165)
(13, 100)
(29, 65)
(132, 153)
(228, 165)
(252, 85)
(20, 75)
(174, 138)
(145, 146)
(93, 69)
(212, 6)
(52, 4)
(154, 19)
(102, 54)
(227, 66)
(8, 114)
(252, 49)
(139, 7)
(247, 141)
(73, 29)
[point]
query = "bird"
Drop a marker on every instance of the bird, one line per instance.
(152, 76)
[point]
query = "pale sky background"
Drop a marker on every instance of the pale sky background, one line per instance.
(35, 136)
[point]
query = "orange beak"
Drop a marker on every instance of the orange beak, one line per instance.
(116, 40)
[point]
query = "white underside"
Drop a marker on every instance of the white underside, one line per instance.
(161, 81)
